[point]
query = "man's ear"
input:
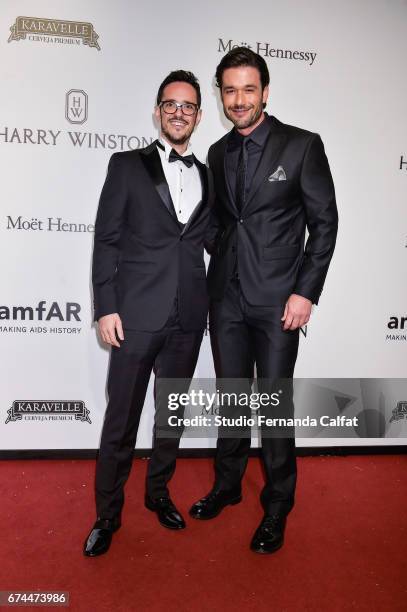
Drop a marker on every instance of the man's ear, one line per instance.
(265, 94)
(198, 117)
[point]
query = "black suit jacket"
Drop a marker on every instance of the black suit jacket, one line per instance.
(142, 256)
(268, 236)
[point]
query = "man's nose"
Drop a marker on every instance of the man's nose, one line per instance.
(239, 99)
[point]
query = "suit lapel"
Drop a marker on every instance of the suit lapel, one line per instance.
(203, 173)
(152, 162)
(222, 186)
(268, 160)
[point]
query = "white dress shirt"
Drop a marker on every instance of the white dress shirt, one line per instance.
(184, 183)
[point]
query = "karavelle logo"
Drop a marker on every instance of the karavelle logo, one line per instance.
(48, 410)
(54, 31)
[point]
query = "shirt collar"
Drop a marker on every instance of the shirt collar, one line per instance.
(258, 136)
(168, 148)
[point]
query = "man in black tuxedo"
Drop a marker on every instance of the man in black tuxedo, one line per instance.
(272, 181)
(150, 297)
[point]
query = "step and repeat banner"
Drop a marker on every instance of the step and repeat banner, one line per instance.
(79, 81)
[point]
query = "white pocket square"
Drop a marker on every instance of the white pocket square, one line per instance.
(278, 175)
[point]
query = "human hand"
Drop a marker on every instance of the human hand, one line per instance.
(297, 312)
(109, 325)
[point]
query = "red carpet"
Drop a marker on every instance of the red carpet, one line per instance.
(345, 548)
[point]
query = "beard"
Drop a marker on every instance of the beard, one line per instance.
(246, 122)
(175, 138)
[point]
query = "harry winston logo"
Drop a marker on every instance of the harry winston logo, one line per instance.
(55, 30)
(399, 412)
(76, 106)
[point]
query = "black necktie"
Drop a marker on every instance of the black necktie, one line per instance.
(188, 160)
(241, 176)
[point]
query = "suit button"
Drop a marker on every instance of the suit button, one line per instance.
(240, 220)
(181, 237)
(233, 249)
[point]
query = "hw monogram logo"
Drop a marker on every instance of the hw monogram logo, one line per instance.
(399, 412)
(76, 106)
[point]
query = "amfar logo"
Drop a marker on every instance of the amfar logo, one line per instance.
(48, 410)
(399, 412)
(397, 323)
(54, 31)
(76, 106)
(42, 312)
(268, 50)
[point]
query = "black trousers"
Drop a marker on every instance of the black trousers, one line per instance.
(171, 353)
(242, 334)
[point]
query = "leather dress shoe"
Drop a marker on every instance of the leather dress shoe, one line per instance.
(210, 506)
(99, 539)
(269, 536)
(167, 513)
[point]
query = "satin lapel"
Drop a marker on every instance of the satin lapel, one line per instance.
(222, 185)
(152, 163)
(203, 173)
(268, 161)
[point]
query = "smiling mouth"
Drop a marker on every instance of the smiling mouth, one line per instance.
(239, 111)
(177, 123)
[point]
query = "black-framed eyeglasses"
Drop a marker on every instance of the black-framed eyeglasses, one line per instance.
(170, 107)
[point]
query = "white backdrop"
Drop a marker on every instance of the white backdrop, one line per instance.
(345, 81)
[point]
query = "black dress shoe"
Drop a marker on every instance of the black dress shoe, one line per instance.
(99, 539)
(269, 536)
(210, 506)
(167, 513)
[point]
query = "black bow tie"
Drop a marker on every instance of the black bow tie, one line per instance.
(188, 160)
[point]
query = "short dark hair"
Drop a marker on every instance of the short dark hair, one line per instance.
(183, 76)
(243, 56)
